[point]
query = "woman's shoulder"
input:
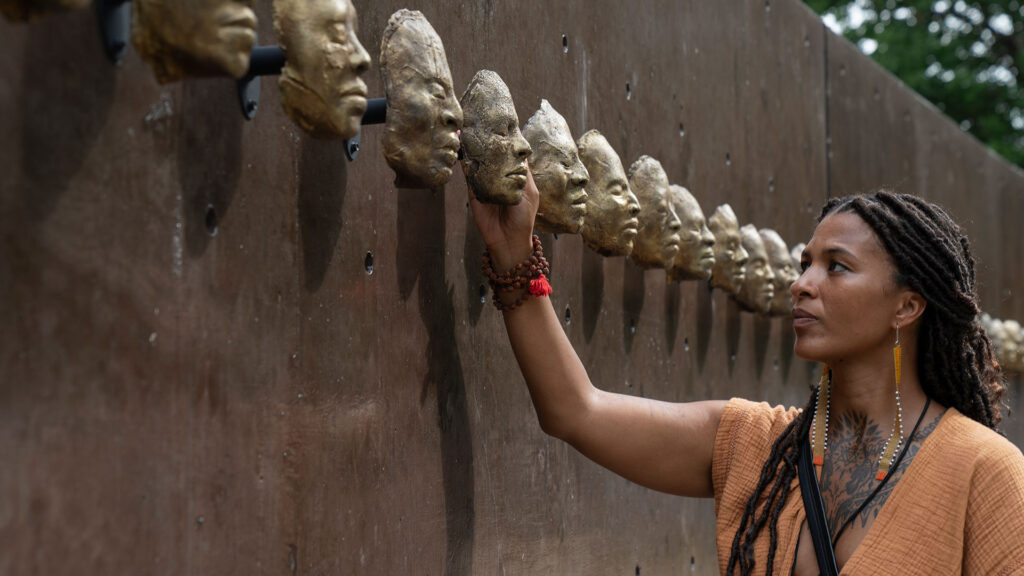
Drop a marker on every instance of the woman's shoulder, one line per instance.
(742, 413)
(972, 438)
(977, 456)
(746, 432)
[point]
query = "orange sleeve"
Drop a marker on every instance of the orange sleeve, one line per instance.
(994, 527)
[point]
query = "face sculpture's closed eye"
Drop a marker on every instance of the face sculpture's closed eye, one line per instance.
(611, 222)
(321, 88)
(758, 287)
(730, 257)
(494, 148)
(182, 38)
(657, 242)
(785, 272)
(25, 10)
(558, 172)
(420, 142)
(696, 255)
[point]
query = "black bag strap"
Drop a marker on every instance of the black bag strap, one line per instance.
(816, 521)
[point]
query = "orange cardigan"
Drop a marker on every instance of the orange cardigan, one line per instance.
(959, 508)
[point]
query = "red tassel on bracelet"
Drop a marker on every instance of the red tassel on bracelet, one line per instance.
(540, 286)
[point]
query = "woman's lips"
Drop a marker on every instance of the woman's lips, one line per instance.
(803, 318)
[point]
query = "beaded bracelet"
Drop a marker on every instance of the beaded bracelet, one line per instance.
(530, 274)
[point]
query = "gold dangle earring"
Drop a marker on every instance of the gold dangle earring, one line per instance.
(819, 426)
(888, 455)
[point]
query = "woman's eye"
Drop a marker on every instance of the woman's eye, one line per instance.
(834, 266)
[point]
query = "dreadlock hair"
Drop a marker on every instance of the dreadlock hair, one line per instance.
(955, 360)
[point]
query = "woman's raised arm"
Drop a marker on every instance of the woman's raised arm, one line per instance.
(661, 445)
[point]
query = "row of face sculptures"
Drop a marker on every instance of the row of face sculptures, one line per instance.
(584, 188)
(1007, 339)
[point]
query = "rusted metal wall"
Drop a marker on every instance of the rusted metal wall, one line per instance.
(202, 376)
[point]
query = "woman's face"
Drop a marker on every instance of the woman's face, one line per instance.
(846, 299)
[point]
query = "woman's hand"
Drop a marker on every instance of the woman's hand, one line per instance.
(507, 230)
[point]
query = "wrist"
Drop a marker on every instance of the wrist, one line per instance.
(507, 255)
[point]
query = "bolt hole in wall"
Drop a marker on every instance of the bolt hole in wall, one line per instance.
(629, 93)
(682, 130)
(771, 184)
(368, 263)
(211, 220)
(638, 570)
(686, 344)
(767, 5)
(728, 159)
(693, 564)
(565, 44)
(568, 315)
(483, 294)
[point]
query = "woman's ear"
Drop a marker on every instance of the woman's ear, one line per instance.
(912, 305)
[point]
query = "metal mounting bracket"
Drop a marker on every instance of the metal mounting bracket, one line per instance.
(115, 20)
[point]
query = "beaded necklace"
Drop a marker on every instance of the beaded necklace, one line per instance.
(819, 424)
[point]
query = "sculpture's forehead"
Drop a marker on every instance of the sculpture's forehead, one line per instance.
(752, 242)
(650, 179)
(415, 45)
(684, 201)
(549, 127)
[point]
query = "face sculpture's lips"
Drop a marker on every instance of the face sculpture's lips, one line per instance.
(239, 17)
(518, 175)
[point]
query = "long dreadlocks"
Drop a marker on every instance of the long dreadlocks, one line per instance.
(955, 360)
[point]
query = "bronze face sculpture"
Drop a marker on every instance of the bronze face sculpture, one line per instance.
(730, 257)
(558, 172)
(785, 272)
(494, 148)
(796, 252)
(696, 255)
(657, 242)
(758, 287)
(182, 38)
(321, 88)
(421, 137)
(1012, 350)
(24, 10)
(611, 224)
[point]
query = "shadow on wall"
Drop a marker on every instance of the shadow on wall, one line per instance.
(592, 281)
(209, 158)
(632, 303)
(420, 260)
(64, 105)
(323, 182)
(477, 292)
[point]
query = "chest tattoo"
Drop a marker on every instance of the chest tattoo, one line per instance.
(848, 475)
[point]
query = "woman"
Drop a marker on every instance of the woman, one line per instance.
(885, 277)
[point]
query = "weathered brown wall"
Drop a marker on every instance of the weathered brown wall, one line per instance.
(255, 402)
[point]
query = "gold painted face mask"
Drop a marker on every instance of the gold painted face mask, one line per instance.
(494, 148)
(785, 272)
(730, 257)
(559, 173)
(321, 88)
(657, 241)
(611, 222)
(758, 287)
(696, 255)
(180, 38)
(420, 141)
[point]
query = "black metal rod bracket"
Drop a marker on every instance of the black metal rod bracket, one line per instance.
(115, 20)
(269, 61)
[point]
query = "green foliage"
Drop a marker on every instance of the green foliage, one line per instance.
(964, 56)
